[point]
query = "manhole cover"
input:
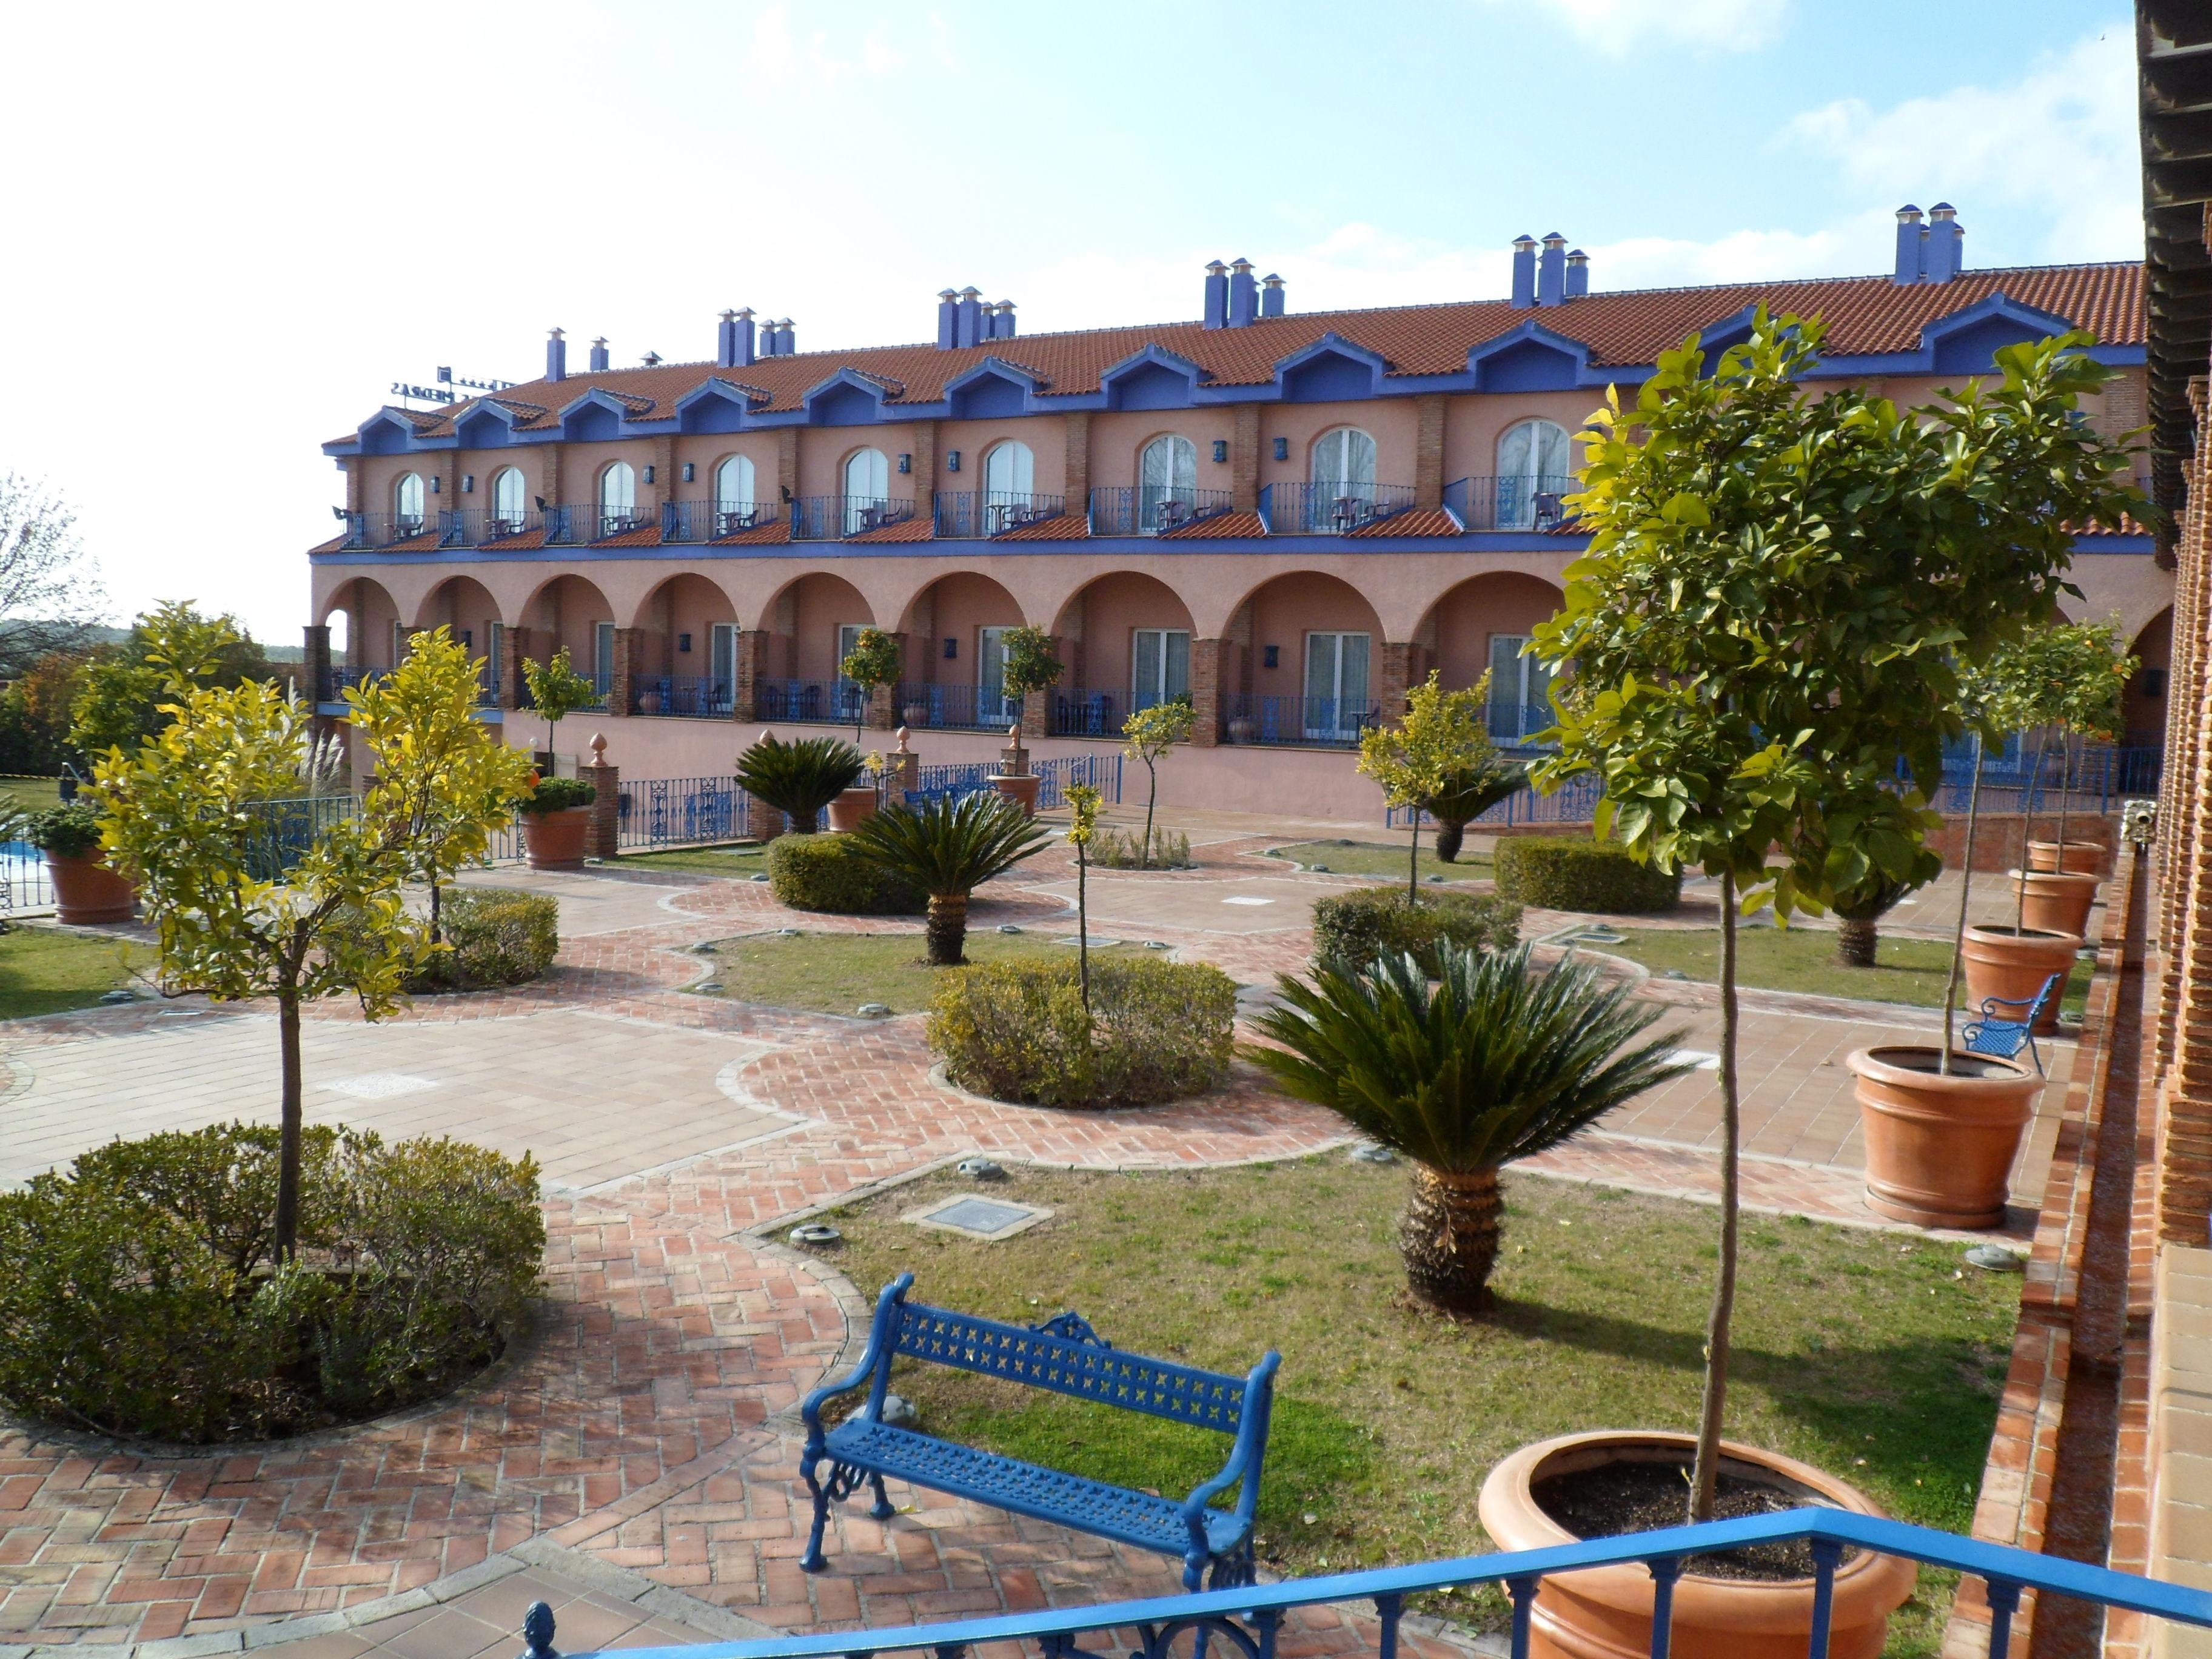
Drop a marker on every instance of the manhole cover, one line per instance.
(380, 1085)
(978, 1217)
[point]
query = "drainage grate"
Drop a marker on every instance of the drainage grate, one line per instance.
(978, 1217)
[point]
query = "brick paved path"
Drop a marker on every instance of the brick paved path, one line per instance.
(640, 1425)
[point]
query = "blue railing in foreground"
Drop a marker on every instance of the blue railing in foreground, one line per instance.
(24, 884)
(677, 812)
(1245, 1621)
(1330, 509)
(1574, 801)
(1308, 722)
(1150, 508)
(1054, 777)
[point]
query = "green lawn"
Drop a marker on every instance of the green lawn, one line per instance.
(740, 862)
(836, 973)
(32, 792)
(1876, 1357)
(45, 971)
(1910, 970)
(1366, 858)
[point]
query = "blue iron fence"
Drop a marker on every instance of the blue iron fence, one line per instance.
(835, 703)
(699, 696)
(678, 811)
(957, 707)
(383, 529)
(1150, 508)
(342, 678)
(1519, 504)
(23, 882)
(1080, 714)
(828, 518)
(1330, 509)
(703, 521)
(578, 523)
(968, 514)
(1574, 801)
(1306, 722)
(2016, 779)
(1054, 777)
(1243, 1623)
(288, 827)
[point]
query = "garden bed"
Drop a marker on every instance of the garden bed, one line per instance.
(836, 973)
(1364, 858)
(49, 970)
(1878, 1358)
(740, 863)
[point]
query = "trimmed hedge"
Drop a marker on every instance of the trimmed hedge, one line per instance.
(1016, 1032)
(69, 829)
(1570, 872)
(498, 937)
(826, 871)
(1351, 930)
(139, 1295)
(558, 794)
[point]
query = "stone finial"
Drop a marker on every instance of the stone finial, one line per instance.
(599, 749)
(537, 1632)
(902, 737)
(1014, 735)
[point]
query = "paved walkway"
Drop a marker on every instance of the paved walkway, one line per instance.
(642, 1427)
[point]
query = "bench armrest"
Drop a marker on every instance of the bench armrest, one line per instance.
(889, 1305)
(1247, 1455)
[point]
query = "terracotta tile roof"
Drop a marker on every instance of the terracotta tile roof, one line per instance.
(1068, 527)
(646, 535)
(919, 528)
(1422, 521)
(777, 530)
(1221, 524)
(332, 546)
(1865, 314)
(522, 542)
(2129, 525)
(426, 543)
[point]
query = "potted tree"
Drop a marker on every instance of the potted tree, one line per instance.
(557, 821)
(948, 847)
(1831, 562)
(88, 890)
(557, 690)
(1438, 759)
(1030, 667)
(1148, 734)
(871, 664)
(799, 779)
(2086, 670)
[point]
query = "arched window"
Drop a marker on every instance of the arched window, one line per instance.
(507, 500)
(1167, 486)
(733, 495)
(867, 489)
(1532, 475)
(1343, 496)
(1009, 478)
(407, 504)
(618, 499)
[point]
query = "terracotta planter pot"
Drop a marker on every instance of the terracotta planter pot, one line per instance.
(851, 806)
(1022, 790)
(1939, 1150)
(2083, 857)
(555, 841)
(1605, 1612)
(86, 890)
(915, 714)
(1244, 730)
(2002, 963)
(2056, 902)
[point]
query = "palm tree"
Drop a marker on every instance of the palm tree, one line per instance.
(948, 848)
(799, 779)
(1467, 795)
(1500, 1061)
(1858, 910)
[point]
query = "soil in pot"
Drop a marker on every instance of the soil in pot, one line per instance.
(1612, 1499)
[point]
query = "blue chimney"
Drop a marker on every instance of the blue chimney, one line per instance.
(786, 341)
(1217, 295)
(599, 355)
(1947, 238)
(1524, 272)
(1271, 295)
(1911, 245)
(1243, 296)
(1002, 321)
(970, 317)
(1578, 273)
(1552, 270)
(557, 356)
(734, 347)
(948, 318)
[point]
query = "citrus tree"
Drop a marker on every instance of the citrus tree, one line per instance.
(1149, 734)
(557, 690)
(1784, 586)
(873, 661)
(1438, 758)
(1029, 664)
(1083, 824)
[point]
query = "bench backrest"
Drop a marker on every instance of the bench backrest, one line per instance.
(1076, 1364)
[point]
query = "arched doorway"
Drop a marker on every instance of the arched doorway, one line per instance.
(1484, 625)
(2143, 708)
(805, 632)
(466, 608)
(570, 613)
(375, 634)
(953, 659)
(684, 650)
(1304, 655)
(1125, 638)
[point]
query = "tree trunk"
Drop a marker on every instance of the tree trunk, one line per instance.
(1413, 863)
(947, 929)
(1706, 1474)
(437, 937)
(1448, 838)
(1449, 1237)
(2065, 797)
(1083, 925)
(1959, 933)
(1151, 797)
(288, 1145)
(2028, 830)
(1856, 941)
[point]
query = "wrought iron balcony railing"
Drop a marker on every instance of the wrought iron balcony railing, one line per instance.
(835, 703)
(579, 524)
(1303, 722)
(1328, 507)
(1516, 503)
(956, 707)
(373, 530)
(1149, 509)
(485, 526)
(969, 514)
(697, 697)
(706, 521)
(832, 518)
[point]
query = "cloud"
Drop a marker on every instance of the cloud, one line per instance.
(1616, 26)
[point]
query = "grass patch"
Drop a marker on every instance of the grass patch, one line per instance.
(836, 973)
(740, 863)
(45, 971)
(32, 793)
(1877, 1357)
(1366, 858)
(1909, 970)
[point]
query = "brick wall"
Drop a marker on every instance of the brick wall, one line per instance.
(1244, 459)
(1077, 481)
(1429, 450)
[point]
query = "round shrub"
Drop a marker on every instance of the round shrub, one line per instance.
(1573, 873)
(1016, 1032)
(558, 794)
(67, 831)
(1351, 930)
(497, 937)
(826, 871)
(139, 1294)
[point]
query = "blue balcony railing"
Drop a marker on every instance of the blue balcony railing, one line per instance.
(1243, 1623)
(485, 526)
(1514, 723)
(956, 707)
(371, 530)
(696, 696)
(968, 514)
(1149, 509)
(579, 524)
(342, 678)
(1331, 722)
(831, 518)
(1076, 713)
(1329, 508)
(834, 703)
(704, 521)
(1521, 504)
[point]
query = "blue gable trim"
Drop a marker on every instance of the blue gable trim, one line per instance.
(1330, 369)
(717, 406)
(1964, 342)
(1531, 357)
(593, 417)
(384, 434)
(487, 425)
(1151, 378)
(993, 389)
(846, 399)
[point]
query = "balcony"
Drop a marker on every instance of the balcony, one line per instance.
(706, 521)
(578, 526)
(485, 526)
(374, 530)
(972, 514)
(1521, 503)
(1150, 509)
(693, 696)
(833, 517)
(1329, 507)
(957, 707)
(344, 678)
(1300, 722)
(832, 703)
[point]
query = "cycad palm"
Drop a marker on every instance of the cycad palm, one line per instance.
(949, 847)
(1499, 1060)
(798, 779)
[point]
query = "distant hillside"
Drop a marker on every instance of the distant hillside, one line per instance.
(96, 633)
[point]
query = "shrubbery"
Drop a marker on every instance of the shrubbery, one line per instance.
(498, 937)
(1016, 1032)
(554, 794)
(1350, 930)
(67, 830)
(826, 871)
(1573, 872)
(139, 1294)
(1124, 849)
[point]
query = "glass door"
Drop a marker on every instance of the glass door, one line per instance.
(603, 659)
(1161, 670)
(850, 697)
(721, 667)
(1519, 689)
(495, 658)
(992, 706)
(1336, 686)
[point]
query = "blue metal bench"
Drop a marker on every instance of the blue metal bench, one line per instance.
(1064, 1356)
(2004, 1034)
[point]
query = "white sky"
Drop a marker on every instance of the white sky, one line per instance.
(235, 226)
